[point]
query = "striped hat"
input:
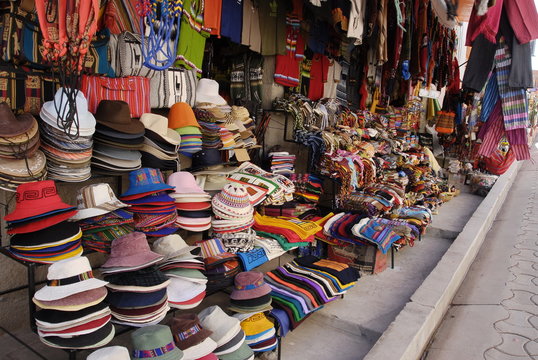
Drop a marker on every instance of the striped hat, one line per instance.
(232, 203)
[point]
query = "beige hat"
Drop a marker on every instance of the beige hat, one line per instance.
(172, 246)
(110, 353)
(20, 167)
(159, 125)
(96, 199)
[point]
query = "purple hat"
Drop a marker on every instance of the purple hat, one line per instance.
(249, 285)
(131, 250)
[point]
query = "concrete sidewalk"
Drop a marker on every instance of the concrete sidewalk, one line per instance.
(494, 314)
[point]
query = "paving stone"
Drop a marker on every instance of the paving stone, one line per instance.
(532, 348)
(512, 344)
(495, 354)
(523, 280)
(524, 267)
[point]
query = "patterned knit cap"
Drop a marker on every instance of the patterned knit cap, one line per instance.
(232, 203)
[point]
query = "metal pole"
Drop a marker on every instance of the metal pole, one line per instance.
(31, 292)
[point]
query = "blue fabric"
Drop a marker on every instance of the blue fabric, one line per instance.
(253, 258)
(491, 96)
(283, 320)
(232, 19)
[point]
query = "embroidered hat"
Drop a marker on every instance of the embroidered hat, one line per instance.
(249, 285)
(68, 277)
(191, 337)
(159, 126)
(172, 246)
(96, 199)
(207, 91)
(115, 114)
(184, 183)
(110, 353)
(36, 198)
(233, 202)
(155, 342)
(146, 181)
(131, 250)
(181, 115)
(223, 327)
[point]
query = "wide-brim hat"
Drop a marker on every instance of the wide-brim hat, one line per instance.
(10, 125)
(232, 345)
(149, 339)
(110, 353)
(256, 324)
(248, 285)
(224, 327)
(244, 352)
(114, 163)
(131, 250)
(188, 332)
(206, 158)
(116, 115)
(31, 133)
(188, 304)
(96, 199)
(76, 329)
(184, 183)
(172, 246)
(207, 91)
(75, 302)
(56, 319)
(92, 340)
(113, 152)
(114, 134)
(181, 115)
(159, 126)
(68, 277)
(24, 168)
(54, 111)
(182, 290)
(146, 180)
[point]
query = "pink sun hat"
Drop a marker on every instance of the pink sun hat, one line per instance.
(249, 285)
(184, 183)
(131, 250)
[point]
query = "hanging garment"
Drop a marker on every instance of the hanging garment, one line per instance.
(287, 66)
(356, 20)
(212, 16)
(333, 78)
(232, 20)
(251, 35)
(318, 76)
(193, 35)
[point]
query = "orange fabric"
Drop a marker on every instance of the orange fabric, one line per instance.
(181, 115)
(296, 288)
(212, 16)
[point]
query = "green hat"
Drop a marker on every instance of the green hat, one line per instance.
(188, 274)
(243, 353)
(155, 342)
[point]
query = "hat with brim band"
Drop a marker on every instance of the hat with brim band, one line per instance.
(232, 345)
(76, 301)
(152, 340)
(183, 290)
(188, 332)
(206, 158)
(224, 327)
(145, 180)
(244, 352)
(54, 111)
(131, 250)
(110, 353)
(116, 115)
(92, 340)
(139, 289)
(31, 133)
(96, 199)
(120, 154)
(76, 330)
(111, 133)
(248, 285)
(57, 319)
(159, 126)
(19, 150)
(68, 277)
(99, 159)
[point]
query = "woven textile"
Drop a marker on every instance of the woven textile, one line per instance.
(513, 100)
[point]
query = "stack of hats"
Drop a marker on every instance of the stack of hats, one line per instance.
(192, 203)
(161, 144)
(137, 289)
(183, 266)
(21, 160)
(260, 332)
(110, 353)
(220, 266)
(74, 315)
(38, 222)
(154, 210)
(250, 293)
(227, 333)
(101, 218)
(210, 129)
(233, 210)
(282, 163)
(154, 342)
(67, 145)
(181, 118)
(118, 139)
(245, 125)
(191, 337)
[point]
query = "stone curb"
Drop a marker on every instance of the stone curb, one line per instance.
(408, 335)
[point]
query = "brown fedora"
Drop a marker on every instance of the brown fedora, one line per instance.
(116, 115)
(10, 125)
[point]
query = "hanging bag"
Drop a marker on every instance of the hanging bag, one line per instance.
(130, 59)
(445, 122)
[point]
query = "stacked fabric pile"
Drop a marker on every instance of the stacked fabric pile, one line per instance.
(293, 230)
(183, 265)
(21, 160)
(161, 144)
(282, 163)
(181, 118)
(419, 216)
(154, 210)
(250, 293)
(306, 284)
(67, 145)
(38, 224)
(101, 218)
(233, 216)
(137, 289)
(118, 139)
(191, 337)
(74, 315)
(308, 187)
(227, 333)
(385, 233)
(192, 203)
(279, 189)
(289, 209)
(220, 266)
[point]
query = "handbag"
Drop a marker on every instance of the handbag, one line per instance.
(134, 90)
(27, 40)
(12, 87)
(171, 86)
(129, 57)
(97, 60)
(7, 8)
(445, 122)
(501, 160)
